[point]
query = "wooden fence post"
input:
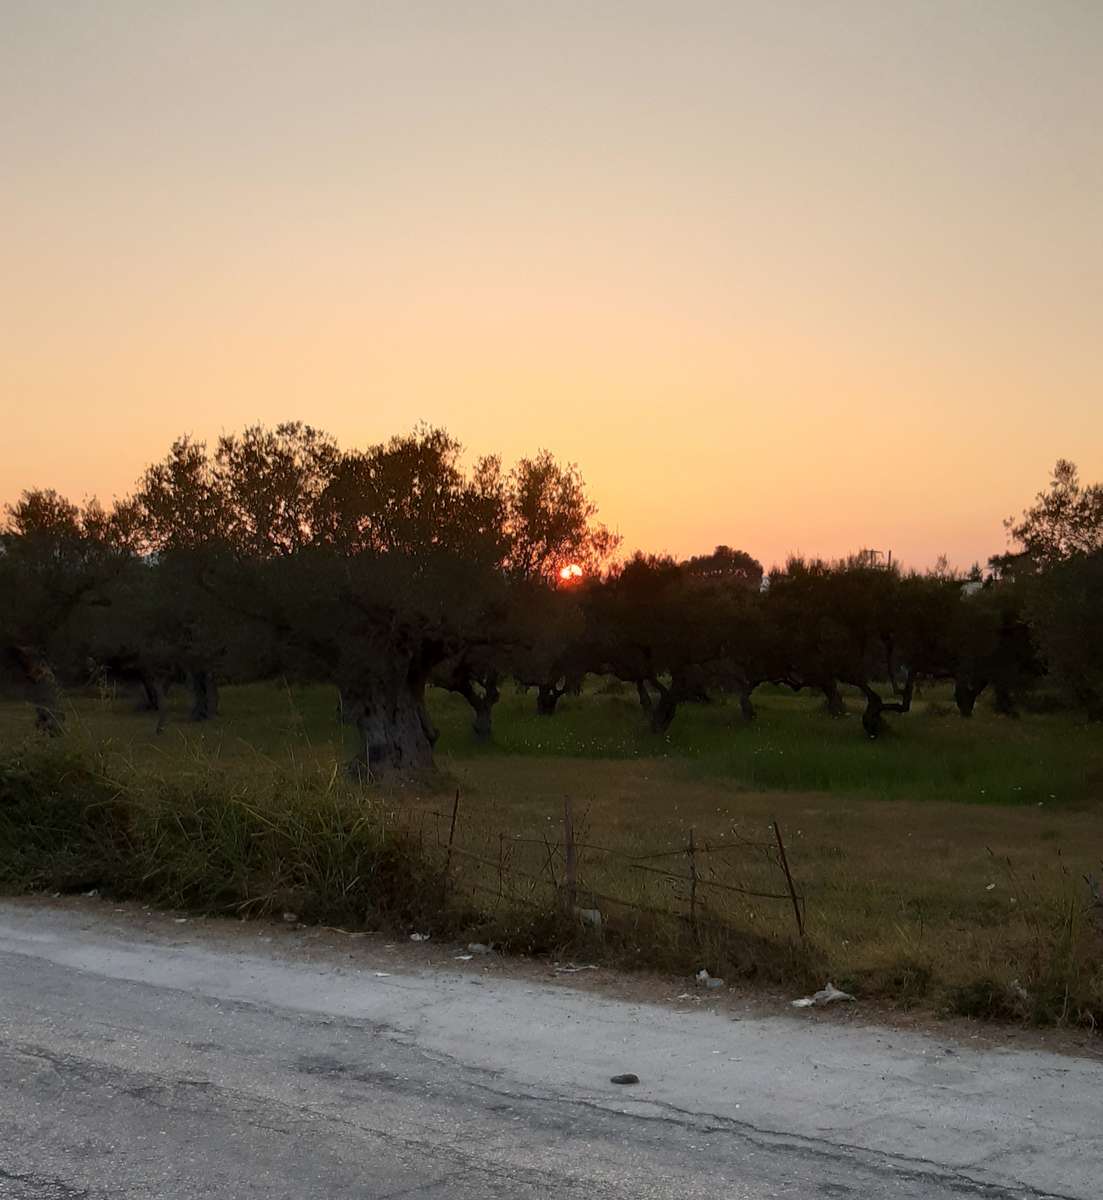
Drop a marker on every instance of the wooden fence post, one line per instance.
(570, 881)
(451, 839)
(789, 879)
(691, 852)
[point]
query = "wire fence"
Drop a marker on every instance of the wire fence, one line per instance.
(698, 882)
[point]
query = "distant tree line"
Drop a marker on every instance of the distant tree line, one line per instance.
(383, 571)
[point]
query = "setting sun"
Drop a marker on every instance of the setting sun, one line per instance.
(443, 446)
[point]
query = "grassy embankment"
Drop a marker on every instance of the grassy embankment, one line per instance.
(940, 866)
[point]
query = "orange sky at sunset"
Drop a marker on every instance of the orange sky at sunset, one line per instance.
(790, 276)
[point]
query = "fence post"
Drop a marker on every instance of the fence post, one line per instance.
(451, 838)
(570, 880)
(691, 853)
(789, 879)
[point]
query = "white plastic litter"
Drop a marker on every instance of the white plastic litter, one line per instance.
(589, 916)
(463, 957)
(420, 937)
(704, 979)
(826, 995)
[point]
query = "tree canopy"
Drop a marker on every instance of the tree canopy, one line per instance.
(386, 569)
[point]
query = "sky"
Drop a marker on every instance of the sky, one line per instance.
(788, 276)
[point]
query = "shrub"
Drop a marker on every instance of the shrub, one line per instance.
(211, 841)
(63, 822)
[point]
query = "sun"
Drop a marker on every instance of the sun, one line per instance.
(570, 572)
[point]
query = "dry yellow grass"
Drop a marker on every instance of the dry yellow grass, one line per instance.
(904, 899)
(909, 895)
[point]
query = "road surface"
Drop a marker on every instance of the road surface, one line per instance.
(139, 1062)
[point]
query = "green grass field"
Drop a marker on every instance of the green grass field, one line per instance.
(930, 754)
(938, 865)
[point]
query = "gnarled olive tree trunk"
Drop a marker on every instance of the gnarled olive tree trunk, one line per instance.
(153, 691)
(662, 710)
(482, 704)
(153, 695)
(662, 715)
(1005, 699)
(393, 729)
(43, 690)
(204, 691)
(966, 694)
(548, 696)
(876, 707)
(833, 699)
(480, 690)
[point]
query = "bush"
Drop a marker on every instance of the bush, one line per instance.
(63, 824)
(210, 841)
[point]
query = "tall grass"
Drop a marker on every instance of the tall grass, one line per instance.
(213, 840)
(942, 866)
(274, 839)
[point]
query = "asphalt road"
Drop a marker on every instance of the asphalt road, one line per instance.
(164, 1064)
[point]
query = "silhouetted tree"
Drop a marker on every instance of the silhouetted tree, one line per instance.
(544, 521)
(185, 520)
(54, 558)
(654, 625)
(1065, 520)
(551, 653)
(845, 624)
(397, 571)
(550, 522)
(992, 646)
(1065, 604)
(728, 567)
(382, 569)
